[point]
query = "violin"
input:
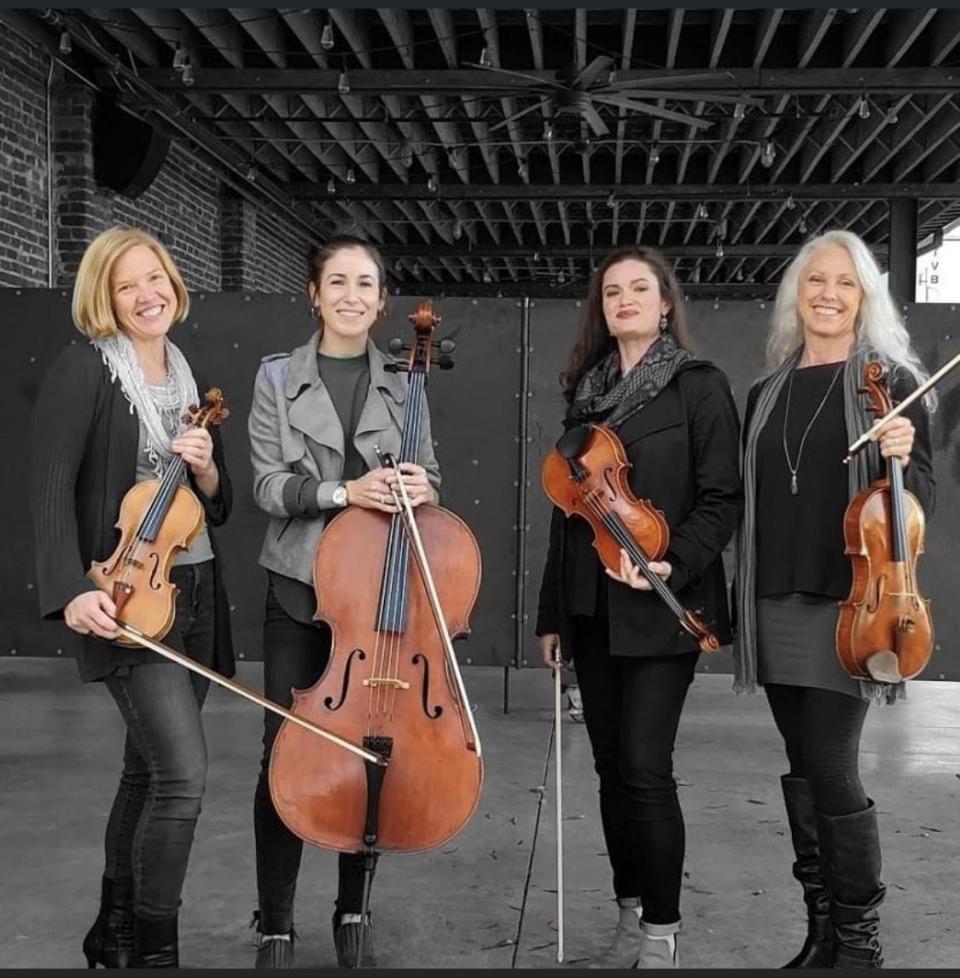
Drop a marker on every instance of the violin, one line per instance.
(884, 631)
(585, 474)
(158, 518)
(392, 682)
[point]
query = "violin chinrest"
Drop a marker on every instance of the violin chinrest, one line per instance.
(571, 444)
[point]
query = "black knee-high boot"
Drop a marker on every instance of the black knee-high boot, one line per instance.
(155, 943)
(817, 950)
(850, 846)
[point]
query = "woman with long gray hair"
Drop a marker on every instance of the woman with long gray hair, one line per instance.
(831, 316)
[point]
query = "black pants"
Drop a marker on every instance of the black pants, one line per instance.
(294, 656)
(154, 814)
(632, 710)
(821, 731)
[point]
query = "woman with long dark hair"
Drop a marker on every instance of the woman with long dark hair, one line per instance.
(631, 369)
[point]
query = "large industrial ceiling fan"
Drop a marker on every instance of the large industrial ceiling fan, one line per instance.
(580, 93)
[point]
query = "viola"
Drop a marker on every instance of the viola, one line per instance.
(585, 474)
(392, 682)
(884, 631)
(158, 518)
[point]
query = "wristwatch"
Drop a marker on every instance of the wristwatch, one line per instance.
(339, 496)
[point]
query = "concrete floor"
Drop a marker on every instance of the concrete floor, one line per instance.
(486, 900)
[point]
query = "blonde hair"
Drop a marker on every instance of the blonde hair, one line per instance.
(93, 312)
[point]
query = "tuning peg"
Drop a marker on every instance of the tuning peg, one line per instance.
(444, 362)
(445, 345)
(395, 345)
(394, 368)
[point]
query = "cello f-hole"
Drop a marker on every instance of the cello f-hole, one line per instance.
(328, 701)
(425, 688)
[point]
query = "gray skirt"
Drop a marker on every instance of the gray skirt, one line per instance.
(796, 643)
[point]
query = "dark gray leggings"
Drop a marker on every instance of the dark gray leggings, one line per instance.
(821, 731)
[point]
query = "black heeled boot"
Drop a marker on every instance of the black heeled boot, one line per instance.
(155, 943)
(817, 950)
(274, 948)
(850, 845)
(110, 940)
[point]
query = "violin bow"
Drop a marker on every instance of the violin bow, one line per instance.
(402, 502)
(559, 774)
(148, 643)
(874, 432)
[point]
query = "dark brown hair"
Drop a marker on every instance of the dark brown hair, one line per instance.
(594, 341)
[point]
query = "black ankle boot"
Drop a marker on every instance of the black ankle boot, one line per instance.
(346, 939)
(274, 947)
(852, 862)
(155, 943)
(110, 940)
(817, 950)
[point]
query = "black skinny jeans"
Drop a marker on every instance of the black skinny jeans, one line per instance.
(821, 732)
(632, 710)
(294, 656)
(151, 826)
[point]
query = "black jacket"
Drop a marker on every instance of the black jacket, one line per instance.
(683, 450)
(84, 459)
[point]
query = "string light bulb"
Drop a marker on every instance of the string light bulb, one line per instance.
(343, 83)
(702, 212)
(432, 184)
(485, 61)
(719, 250)
(611, 201)
(331, 186)
(66, 44)
(790, 203)
(739, 111)
(769, 154)
(548, 130)
(457, 229)
(350, 176)
(326, 36)
(654, 156)
(522, 171)
(179, 58)
(863, 108)
(187, 75)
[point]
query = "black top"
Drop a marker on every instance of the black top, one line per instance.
(682, 447)
(800, 546)
(84, 459)
(800, 537)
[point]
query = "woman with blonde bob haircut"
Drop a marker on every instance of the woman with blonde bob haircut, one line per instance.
(108, 415)
(93, 310)
(832, 315)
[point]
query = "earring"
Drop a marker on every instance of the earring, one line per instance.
(314, 311)
(663, 324)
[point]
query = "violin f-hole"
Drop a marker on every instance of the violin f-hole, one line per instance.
(425, 687)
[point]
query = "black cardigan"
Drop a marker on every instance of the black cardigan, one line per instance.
(683, 450)
(84, 459)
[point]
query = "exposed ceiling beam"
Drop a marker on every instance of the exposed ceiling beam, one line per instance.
(564, 251)
(761, 81)
(626, 193)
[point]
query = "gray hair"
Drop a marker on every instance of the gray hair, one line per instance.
(878, 326)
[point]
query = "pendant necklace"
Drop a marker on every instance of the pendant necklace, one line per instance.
(794, 488)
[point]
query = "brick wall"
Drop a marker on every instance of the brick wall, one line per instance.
(218, 241)
(23, 167)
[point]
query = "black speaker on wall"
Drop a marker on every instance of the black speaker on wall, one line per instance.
(127, 152)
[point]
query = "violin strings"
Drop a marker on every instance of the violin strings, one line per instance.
(620, 533)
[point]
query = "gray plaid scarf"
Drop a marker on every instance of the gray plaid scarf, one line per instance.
(863, 469)
(603, 395)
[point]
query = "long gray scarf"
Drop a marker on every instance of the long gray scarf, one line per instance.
(866, 466)
(603, 395)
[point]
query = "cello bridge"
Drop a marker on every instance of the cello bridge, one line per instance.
(389, 681)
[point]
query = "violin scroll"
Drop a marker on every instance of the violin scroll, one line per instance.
(212, 413)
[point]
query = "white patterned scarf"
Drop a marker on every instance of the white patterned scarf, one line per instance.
(120, 356)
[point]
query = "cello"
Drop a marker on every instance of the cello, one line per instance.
(884, 630)
(392, 683)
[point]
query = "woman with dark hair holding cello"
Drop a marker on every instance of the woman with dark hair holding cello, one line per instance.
(108, 419)
(631, 371)
(319, 416)
(833, 315)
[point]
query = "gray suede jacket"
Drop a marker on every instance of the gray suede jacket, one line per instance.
(297, 449)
